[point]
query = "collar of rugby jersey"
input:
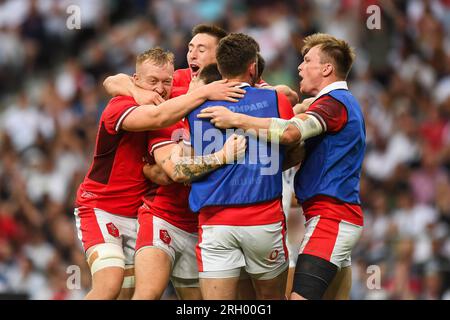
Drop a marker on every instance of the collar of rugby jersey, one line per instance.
(332, 86)
(243, 84)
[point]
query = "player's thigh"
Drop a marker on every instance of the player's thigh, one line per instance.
(265, 250)
(246, 291)
(271, 289)
(184, 275)
(185, 291)
(218, 252)
(152, 272)
(219, 288)
(266, 257)
(340, 287)
(330, 239)
(154, 257)
(220, 261)
(325, 249)
(185, 265)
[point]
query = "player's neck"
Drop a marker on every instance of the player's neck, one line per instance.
(325, 83)
(240, 79)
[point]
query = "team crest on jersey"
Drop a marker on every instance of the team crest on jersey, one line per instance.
(112, 230)
(87, 195)
(274, 255)
(164, 236)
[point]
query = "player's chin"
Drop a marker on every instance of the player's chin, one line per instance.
(302, 87)
(195, 73)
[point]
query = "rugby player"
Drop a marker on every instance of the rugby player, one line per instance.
(167, 227)
(110, 195)
(241, 221)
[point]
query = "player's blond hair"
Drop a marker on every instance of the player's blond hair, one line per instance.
(335, 51)
(156, 55)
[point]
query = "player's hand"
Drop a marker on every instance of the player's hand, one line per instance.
(233, 149)
(223, 90)
(303, 106)
(221, 117)
(154, 173)
(144, 97)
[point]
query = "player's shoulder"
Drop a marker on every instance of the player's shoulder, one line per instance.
(117, 106)
(261, 89)
(185, 71)
(182, 74)
(122, 100)
(326, 101)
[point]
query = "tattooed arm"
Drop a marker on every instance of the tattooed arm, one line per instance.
(181, 168)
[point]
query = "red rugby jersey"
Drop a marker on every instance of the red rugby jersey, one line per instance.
(170, 202)
(115, 182)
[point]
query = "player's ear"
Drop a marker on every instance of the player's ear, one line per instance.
(328, 69)
(253, 70)
(135, 77)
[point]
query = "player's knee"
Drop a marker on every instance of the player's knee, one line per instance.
(312, 276)
(102, 257)
(106, 255)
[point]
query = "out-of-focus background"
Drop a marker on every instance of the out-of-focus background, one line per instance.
(51, 97)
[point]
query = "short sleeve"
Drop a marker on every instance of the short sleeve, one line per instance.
(164, 136)
(284, 107)
(331, 113)
(116, 111)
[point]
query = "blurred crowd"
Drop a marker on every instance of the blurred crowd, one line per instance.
(51, 97)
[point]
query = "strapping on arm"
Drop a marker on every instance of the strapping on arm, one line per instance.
(308, 127)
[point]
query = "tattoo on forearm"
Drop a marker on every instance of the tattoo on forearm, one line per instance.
(195, 167)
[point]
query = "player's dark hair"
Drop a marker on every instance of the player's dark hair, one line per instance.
(234, 54)
(210, 73)
(209, 29)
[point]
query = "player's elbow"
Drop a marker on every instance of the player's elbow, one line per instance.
(108, 84)
(180, 179)
(112, 84)
(177, 177)
(290, 136)
(292, 97)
